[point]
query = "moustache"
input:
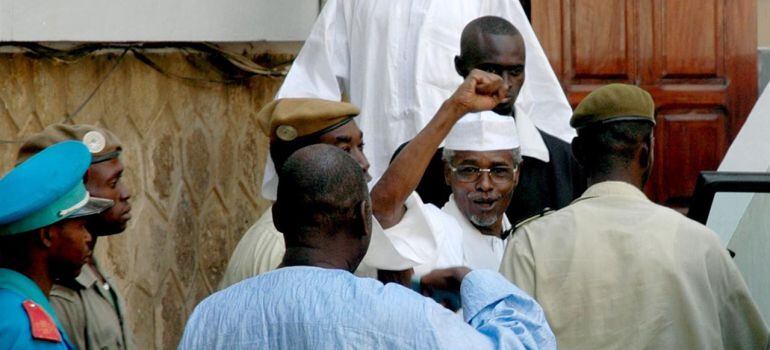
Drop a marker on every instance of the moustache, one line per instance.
(483, 198)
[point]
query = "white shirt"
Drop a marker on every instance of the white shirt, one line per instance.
(394, 60)
(480, 251)
(460, 243)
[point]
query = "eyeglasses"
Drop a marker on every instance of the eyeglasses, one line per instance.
(470, 173)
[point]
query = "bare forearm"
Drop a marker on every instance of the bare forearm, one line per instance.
(404, 173)
(480, 91)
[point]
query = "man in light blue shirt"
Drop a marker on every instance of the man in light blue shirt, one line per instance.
(313, 301)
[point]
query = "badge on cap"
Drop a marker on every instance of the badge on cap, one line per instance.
(286, 132)
(95, 141)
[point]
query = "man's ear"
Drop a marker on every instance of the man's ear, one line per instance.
(652, 149)
(460, 67)
(46, 235)
(276, 211)
(447, 174)
(646, 153)
(516, 175)
(364, 220)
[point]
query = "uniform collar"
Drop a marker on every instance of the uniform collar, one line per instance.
(87, 277)
(613, 188)
(532, 143)
(467, 227)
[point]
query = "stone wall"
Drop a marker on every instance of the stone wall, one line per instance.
(193, 154)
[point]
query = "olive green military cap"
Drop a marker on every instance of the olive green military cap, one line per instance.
(289, 118)
(614, 102)
(102, 144)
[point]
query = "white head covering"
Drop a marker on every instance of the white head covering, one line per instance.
(486, 131)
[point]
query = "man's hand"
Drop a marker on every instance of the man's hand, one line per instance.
(481, 91)
(448, 279)
(444, 286)
(403, 277)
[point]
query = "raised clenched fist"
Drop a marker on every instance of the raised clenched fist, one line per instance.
(481, 91)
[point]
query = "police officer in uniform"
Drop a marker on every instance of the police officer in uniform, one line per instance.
(89, 306)
(614, 270)
(43, 237)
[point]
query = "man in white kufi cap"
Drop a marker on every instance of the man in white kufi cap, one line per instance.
(481, 161)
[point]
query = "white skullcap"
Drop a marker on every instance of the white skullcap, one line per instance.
(485, 131)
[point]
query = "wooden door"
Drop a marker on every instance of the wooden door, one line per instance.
(696, 57)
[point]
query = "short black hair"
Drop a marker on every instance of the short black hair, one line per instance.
(320, 191)
(484, 25)
(611, 144)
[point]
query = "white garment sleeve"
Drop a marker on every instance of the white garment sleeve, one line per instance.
(411, 242)
(322, 68)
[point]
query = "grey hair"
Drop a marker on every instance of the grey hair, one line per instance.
(449, 154)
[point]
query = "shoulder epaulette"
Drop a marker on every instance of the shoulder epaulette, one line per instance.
(41, 324)
(544, 212)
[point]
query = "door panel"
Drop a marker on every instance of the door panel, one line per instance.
(606, 59)
(692, 140)
(696, 57)
(688, 37)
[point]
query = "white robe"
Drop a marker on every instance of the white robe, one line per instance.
(457, 241)
(394, 60)
(425, 239)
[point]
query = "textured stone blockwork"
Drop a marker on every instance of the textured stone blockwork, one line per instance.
(193, 157)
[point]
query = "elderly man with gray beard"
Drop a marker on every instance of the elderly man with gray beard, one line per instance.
(481, 165)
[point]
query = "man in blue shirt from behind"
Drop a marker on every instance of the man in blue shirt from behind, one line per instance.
(313, 301)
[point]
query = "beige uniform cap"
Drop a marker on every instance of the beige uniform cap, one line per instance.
(102, 144)
(287, 119)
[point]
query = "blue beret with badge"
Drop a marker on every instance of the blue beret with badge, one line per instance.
(48, 188)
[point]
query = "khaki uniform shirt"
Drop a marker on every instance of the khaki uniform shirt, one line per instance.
(615, 271)
(91, 313)
(260, 250)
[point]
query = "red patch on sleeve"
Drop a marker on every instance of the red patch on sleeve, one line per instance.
(42, 325)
